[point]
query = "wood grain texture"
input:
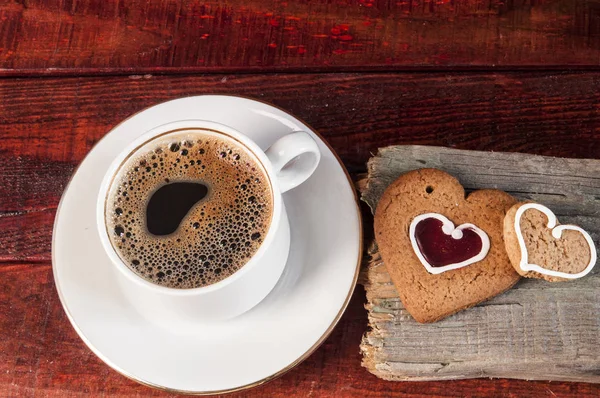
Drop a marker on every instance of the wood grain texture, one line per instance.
(47, 126)
(42, 356)
(537, 330)
(124, 36)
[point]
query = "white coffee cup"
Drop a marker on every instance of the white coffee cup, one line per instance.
(288, 162)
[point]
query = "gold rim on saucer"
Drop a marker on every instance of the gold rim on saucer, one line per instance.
(281, 372)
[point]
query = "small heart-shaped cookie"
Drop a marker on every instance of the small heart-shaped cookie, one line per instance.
(539, 247)
(454, 240)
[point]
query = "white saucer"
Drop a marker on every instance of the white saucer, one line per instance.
(253, 348)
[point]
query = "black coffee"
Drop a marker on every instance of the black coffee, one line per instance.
(189, 209)
(170, 203)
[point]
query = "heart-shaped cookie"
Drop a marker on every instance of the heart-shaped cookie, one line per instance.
(431, 296)
(539, 247)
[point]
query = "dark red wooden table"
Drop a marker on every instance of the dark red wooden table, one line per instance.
(505, 75)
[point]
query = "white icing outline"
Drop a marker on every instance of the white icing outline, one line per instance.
(449, 229)
(556, 233)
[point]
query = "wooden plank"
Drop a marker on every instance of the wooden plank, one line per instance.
(537, 330)
(48, 125)
(125, 36)
(41, 355)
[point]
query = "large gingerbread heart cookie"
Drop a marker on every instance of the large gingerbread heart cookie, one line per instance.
(443, 251)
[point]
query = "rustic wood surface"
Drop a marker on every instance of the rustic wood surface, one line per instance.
(91, 36)
(47, 125)
(536, 330)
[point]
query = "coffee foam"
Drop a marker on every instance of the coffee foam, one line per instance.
(217, 236)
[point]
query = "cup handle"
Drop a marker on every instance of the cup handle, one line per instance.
(294, 158)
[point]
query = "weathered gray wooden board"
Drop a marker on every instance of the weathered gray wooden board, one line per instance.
(537, 330)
